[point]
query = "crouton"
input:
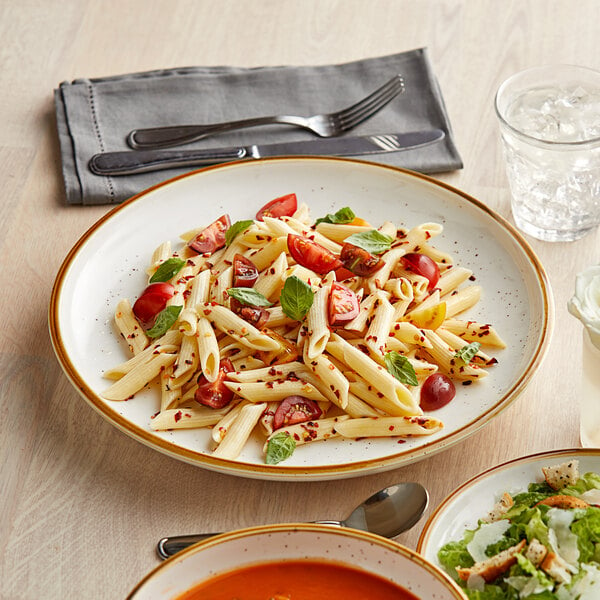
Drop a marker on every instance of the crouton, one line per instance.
(536, 552)
(556, 567)
(494, 566)
(559, 476)
(563, 501)
(500, 508)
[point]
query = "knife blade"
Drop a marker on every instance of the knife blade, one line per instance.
(142, 161)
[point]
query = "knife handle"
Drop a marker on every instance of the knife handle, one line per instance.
(142, 161)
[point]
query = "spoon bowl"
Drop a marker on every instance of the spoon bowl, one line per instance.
(387, 513)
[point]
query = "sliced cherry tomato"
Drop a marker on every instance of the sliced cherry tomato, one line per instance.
(422, 265)
(212, 237)
(255, 315)
(287, 351)
(284, 206)
(215, 393)
(359, 261)
(437, 391)
(295, 409)
(153, 299)
(341, 274)
(430, 317)
(245, 272)
(311, 255)
(343, 305)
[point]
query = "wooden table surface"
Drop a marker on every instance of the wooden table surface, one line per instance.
(81, 504)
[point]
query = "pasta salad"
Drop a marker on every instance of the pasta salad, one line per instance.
(300, 331)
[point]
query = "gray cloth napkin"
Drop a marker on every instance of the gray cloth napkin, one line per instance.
(95, 115)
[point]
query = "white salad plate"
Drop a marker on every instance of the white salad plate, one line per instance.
(109, 261)
(474, 499)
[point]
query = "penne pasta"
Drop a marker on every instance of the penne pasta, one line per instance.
(292, 355)
(130, 329)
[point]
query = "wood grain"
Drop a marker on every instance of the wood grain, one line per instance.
(81, 504)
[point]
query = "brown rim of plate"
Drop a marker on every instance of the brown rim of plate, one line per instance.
(317, 528)
(304, 473)
(426, 531)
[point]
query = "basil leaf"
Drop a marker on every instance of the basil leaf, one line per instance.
(236, 229)
(372, 241)
(248, 296)
(296, 298)
(168, 269)
(164, 320)
(342, 216)
(280, 447)
(466, 353)
(399, 366)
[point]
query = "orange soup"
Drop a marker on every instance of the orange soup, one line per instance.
(297, 580)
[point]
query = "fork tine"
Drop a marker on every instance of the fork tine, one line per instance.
(365, 113)
(355, 114)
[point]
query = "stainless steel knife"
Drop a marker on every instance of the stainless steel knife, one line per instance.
(142, 161)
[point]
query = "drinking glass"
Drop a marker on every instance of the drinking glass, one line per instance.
(550, 127)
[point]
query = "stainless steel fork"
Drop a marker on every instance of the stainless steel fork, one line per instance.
(325, 125)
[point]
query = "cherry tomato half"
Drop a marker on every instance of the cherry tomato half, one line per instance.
(359, 261)
(215, 393)
(341, 274)
(295, 409)
(422, 265)
(343, 305)
(245, 272)
(437, 391)
(311, 255)
(287, 351)
(153, 299)
(284, 206)
(255, 315)
(212, 237)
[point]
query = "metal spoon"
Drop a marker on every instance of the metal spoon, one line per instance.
(387, 513)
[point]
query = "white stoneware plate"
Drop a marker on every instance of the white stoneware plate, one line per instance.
(270, 543)
(474, 499)
(109, 262)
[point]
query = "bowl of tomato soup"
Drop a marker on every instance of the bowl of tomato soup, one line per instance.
(297, 562)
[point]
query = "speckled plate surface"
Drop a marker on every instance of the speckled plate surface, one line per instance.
(475, 498)
(269, 543)
(109, 261)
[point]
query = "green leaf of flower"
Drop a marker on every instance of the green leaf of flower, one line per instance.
(372, 241)
(248, 296)
(341, 217)
(235, 230)
(399, 366)
(168, 269)
(164, 321)
(296, 298)
(280, 447)
(466, 353)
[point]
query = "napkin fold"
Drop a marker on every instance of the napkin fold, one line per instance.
(95, 115)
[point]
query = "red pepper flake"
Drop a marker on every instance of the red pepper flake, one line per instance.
(391, 427)
(177, 416)
(296, 437)
(207, 311)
